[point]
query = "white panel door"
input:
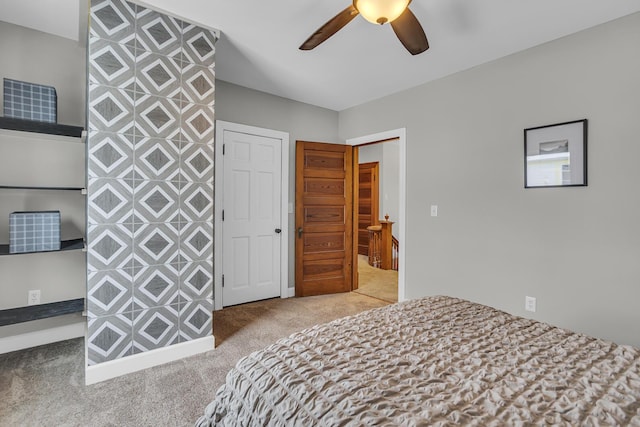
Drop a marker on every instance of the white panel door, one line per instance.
(251, 227)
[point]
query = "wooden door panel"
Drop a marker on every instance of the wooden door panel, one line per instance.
(324, 160)
(325, 273)
(323, 269)
(324, 247)
(323, 214)
(319, 287)
(365, 211)
(314, 243)
(324, 186)
(365, 193)
(368, 196)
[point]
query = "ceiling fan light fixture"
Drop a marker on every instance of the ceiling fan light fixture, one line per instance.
(380, 11)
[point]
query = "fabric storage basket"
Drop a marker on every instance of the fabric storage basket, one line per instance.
(34, 231)
(30, 101)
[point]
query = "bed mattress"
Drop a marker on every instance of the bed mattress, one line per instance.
(433, 361)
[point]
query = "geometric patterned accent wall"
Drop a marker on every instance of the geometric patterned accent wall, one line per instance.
(150, 184)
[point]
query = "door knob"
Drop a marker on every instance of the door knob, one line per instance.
(299, 232)
(278, 230)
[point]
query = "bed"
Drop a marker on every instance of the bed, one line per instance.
(432, 361)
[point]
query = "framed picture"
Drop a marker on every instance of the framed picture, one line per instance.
(556, 155)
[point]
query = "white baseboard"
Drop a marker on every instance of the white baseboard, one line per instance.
(137, 362)
(44, 336)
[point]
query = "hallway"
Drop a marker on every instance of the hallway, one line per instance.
(375, 282)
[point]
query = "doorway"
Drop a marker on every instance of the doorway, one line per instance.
(378, 219)
(251, 214)
(400, 136)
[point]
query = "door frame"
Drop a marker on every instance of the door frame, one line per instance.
(401, 135)
(221, 127)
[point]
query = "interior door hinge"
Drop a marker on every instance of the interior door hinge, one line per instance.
(224, 147)
(223, 280)
(223, 214)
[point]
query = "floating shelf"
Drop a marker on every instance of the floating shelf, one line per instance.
(40, 127)
(65, 245)
(40, 311)
(27, 187)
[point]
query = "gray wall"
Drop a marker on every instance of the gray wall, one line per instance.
(575, 249)
(42, 58)
(303, 122)
(391, 185)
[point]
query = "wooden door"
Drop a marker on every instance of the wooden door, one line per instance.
(251, 223)
(368, 202)
(324, 218)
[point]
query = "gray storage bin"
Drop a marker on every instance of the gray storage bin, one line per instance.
(34, 231)
(30, 101)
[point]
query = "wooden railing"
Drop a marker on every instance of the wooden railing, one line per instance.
(395, 253)
(375, 241)
(383, 247)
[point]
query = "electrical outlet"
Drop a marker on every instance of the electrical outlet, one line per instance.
(34, 297)
(530, 304)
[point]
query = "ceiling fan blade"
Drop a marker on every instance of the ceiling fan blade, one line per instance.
(410, 32)
(330, 28)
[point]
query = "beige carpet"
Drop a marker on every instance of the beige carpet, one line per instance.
(45, 385)
(375, 282)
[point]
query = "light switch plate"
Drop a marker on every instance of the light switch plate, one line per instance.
(530, 304)
(434, 210)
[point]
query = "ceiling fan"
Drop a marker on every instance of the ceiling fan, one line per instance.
(396, 12)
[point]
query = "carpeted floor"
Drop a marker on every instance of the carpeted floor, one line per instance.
(375, 282)
(45, 385)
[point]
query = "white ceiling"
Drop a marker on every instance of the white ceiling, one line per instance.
(259, 43)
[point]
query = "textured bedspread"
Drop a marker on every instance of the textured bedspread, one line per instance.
(432, 361)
